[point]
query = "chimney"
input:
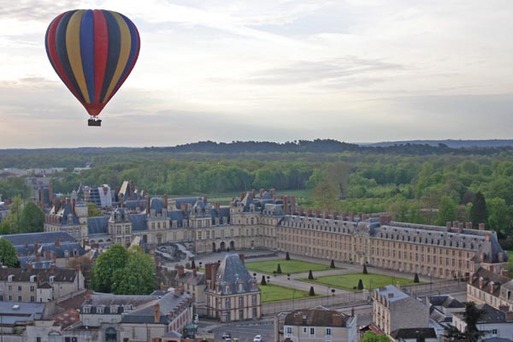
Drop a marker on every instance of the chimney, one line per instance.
(468, 225)
(481, 282)
(156, 313)
(448, 226)
(57, 243)
(509, 316)
(29, 266)
(460, 226)
(471, 278)
(482, 226)
(73, 203)
(261, 192)
(293, 204)
(166, 202)
(147, 204)
(491, 286)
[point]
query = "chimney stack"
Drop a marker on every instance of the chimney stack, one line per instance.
(156, 316)
(482, 226)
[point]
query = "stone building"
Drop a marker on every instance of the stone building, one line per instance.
(231, 292)
(486, 287)
(40, 285)
(393, 309)
(136, 318)
(265, 220)
(319, 325)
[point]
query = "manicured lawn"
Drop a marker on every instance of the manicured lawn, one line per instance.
(510, 255)
(287, 266)
(274, 293)
(349, 281)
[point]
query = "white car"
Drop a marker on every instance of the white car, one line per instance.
(257, 338)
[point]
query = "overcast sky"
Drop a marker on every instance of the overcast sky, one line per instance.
(275, 70)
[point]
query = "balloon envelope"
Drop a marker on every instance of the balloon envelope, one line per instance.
(93, 52)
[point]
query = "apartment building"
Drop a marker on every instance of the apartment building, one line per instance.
(320, 325)
(392, 310)
(40, 285)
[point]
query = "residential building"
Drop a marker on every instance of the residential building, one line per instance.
(486, 287)
(496, 323)
(231, 292)
(319, 325)
(15, 317)
(134, 318)
(392, 309)
(40, 285)
(194, 283)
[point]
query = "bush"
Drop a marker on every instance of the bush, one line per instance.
(312, 292)
(360, 284)
(263, 282)
(310, 275)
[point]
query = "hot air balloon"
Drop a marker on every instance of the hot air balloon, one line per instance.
(93, 52)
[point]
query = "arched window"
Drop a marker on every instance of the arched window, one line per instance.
(111, 335)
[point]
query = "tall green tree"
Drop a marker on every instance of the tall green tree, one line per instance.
(137, 276)
(107, 266)
(8, 254)
(500, 215)
(32, 219)
(369, 336)
(447, 210)
(479, 211)
(11, 222)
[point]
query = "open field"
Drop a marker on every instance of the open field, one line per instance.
(287, 266)
(274, 293)
(350, 281)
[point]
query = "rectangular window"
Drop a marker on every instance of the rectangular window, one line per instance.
(312, 331)
(328, 331)
(289, 330)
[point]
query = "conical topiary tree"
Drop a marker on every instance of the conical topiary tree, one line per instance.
(365, 269)
(332, 265)
(263, 282)
(416, 278)
(312, 292)
(360, 284)
(287, 256)
(278, 269)
(310, 275)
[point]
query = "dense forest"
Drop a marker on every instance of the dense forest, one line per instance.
(415, 183)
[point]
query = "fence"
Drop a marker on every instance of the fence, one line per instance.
(361, 297)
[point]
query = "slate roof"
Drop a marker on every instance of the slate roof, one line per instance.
(317, 317)
(138, 222)
(30, 239)
(411, 333)
(14, 313)
(231, 274)
(168, 303)
(98, 225)
(392, 293)
(42, 275)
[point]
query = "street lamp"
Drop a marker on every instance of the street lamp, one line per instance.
(328, 294)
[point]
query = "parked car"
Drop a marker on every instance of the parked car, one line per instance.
(227, 336)
(257, 338)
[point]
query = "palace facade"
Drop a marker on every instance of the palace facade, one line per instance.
(265, 220)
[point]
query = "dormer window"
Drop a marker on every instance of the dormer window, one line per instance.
(32, 278)
(10, 278)
(86, 309)
(99, 309)
(51, 279)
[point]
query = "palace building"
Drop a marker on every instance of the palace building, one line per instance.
(264, 220)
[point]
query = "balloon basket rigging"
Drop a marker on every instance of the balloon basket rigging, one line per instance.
(94, 122)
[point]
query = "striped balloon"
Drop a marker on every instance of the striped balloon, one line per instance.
(93, 52)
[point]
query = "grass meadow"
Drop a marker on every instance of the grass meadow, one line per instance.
(350, 281)
(287, 266)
